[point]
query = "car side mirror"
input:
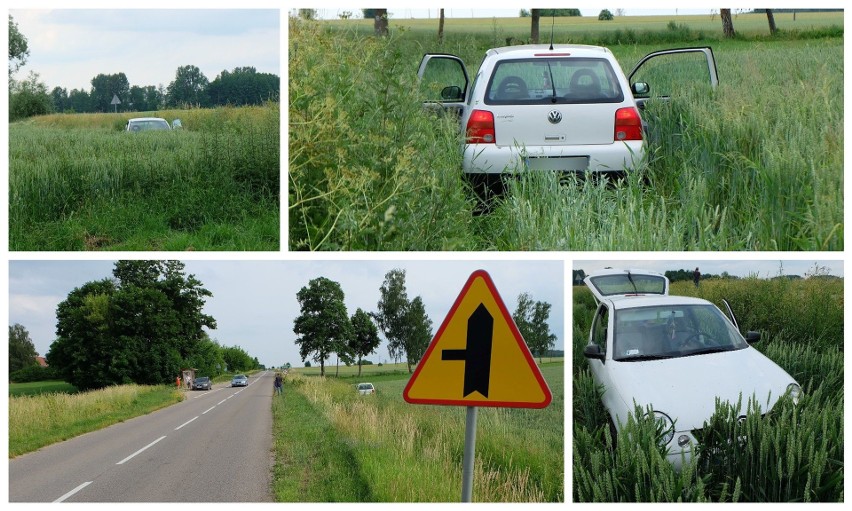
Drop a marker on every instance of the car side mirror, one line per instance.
(593, 351)
(752, 337)
(640, 88)
(451, 93)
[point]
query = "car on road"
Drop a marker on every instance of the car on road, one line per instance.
(558, 108)
(239, 380)
(365, 389)
(202, 383)
(673, 356)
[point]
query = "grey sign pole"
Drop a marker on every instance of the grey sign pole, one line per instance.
(469, 449)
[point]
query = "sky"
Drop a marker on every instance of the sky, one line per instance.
(69, 47)
(761, 268)
(254, 302)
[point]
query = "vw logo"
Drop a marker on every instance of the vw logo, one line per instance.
(554, 117)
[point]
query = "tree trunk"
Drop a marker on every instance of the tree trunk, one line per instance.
(727, 22)
(771, 18)
(441, 28)
(535, 15)
(380, 25)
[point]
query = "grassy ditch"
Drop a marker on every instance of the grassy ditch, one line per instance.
(36, 421)
(792, 454)
(79, 182)
(392, 451)
(41, 387)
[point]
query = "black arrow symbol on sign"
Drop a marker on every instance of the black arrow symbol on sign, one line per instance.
(477, 354)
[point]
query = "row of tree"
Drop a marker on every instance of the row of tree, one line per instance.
(142, 326)
(324, 326)
(190, 88)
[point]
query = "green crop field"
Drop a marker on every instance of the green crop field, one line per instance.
(79, 182)
(333, 445)
(792, 454)
(756, 164)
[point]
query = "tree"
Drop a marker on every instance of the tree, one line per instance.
(28, 98)
(206, 358)
(419, 331)
(770, 17)
(189, 87)
(380, 22)
(79, 101)
(605, 15)
(365, 336)
(531, 319)
(403, 322)
(22, 352)
(18, 47)
(243, 86)
(727, 22)
(323, 326)
(105, 87)
(392, 307)
(237, 360)
(535, 16)
(139, 327)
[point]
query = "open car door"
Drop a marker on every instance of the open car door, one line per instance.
(443, 82)
(662, 74)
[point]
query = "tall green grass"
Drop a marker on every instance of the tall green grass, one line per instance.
(392, 451)
(79, 182)
(756, 164)
(792, 454)
(39, 420)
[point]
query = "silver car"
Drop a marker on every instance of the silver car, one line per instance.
(147, 124)
(366, 388)
(239, 380)
(202, 383)
(556, 108)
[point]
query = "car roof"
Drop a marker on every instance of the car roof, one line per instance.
(540, 50)
(621, 302)
(139, 119)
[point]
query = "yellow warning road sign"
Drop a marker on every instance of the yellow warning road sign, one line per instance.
(478, 357)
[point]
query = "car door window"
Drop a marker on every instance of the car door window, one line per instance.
(443, 78)
(673, 72)
(599, 328)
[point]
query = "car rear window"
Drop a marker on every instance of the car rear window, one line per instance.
(540, 80)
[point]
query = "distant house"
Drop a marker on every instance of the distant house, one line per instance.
(41, 361)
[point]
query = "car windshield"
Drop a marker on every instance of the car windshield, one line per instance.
(364, 386)
(148, 125)
(239, 377)
(202, 379)
(672, 331)
(553, 80)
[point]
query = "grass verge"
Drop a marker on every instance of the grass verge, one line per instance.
(37, 421)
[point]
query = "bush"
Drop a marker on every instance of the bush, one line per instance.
(34, 373)
(605, 15)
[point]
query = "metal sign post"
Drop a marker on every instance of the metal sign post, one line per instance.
(469, 452)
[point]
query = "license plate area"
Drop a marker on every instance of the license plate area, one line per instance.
(558, 163)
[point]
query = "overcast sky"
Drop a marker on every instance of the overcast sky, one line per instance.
(761, 268)
(69, 47)
(254, 302)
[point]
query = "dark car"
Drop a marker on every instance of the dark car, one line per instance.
(202, 383)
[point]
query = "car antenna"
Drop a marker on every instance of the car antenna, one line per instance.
(552, 22)
(630, 278)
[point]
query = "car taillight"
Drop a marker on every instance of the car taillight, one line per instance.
(628, 124)
(480, 127)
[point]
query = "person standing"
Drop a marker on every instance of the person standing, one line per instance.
(279, 382)
(696, 276)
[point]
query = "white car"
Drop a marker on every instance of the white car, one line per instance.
(558, 108)
(674, 354)
(366, 388)
(138, 124)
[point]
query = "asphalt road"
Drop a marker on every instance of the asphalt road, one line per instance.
(215, 446)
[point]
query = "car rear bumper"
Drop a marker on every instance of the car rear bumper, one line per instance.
(497, 159)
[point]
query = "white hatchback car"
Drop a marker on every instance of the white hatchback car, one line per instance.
(560, 108)
(674, 354)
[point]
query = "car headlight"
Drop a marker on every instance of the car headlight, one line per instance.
(665, 426)
(795, 392)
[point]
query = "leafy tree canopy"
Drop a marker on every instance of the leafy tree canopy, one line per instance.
(323, 327)
(22, 352)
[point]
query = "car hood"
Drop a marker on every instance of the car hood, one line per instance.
(686, 388)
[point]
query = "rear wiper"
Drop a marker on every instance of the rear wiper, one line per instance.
(553, 98)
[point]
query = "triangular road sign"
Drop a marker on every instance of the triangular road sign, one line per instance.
(478, 357)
